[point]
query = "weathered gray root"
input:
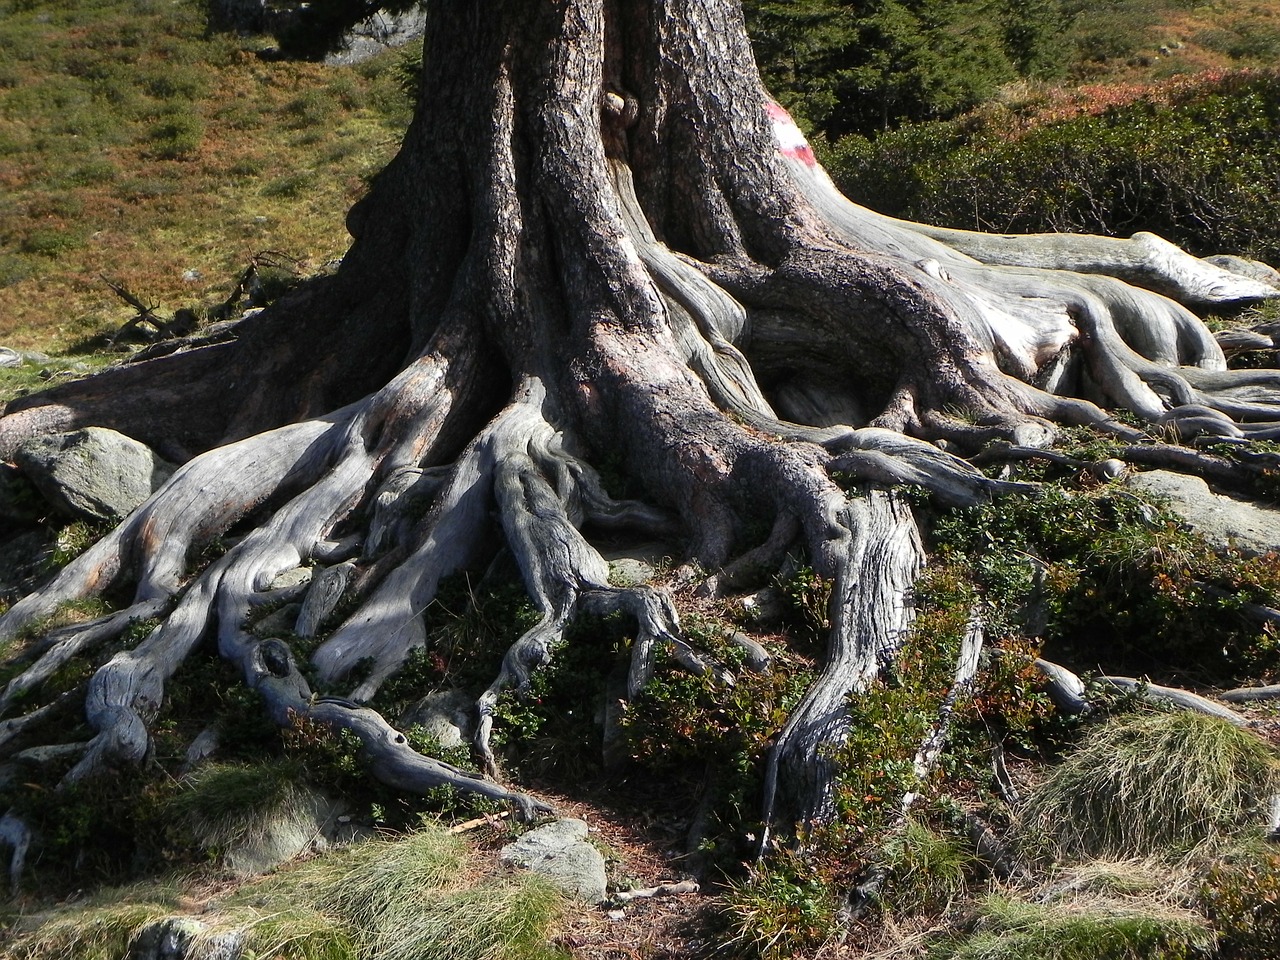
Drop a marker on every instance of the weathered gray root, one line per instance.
(60, 646)
(966, 672)
(200, 502)
(270, 668)
(1183, 699)
(1250, 694)
(879, 556)
(15, 834)
(1070, 313)
(562, 572)
(1066, 690)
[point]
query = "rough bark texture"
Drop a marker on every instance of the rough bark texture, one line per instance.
(602, 239)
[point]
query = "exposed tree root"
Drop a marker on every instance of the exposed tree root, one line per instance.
(617, 254)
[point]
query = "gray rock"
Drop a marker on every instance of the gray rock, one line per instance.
(204, 746)
(383, 30)
(755, 657)
(560, 852)
(94, 473)
(180, 938)
(296, 577)
(22, 562)
(306, 825)
(1224, 522)
(278, 622)
(630, 572)
(766, 606)
(445, 715)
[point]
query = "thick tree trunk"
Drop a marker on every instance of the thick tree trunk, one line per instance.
(601, 238)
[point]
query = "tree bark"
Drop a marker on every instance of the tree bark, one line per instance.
(602, 239)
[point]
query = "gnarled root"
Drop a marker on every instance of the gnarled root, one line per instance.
(879, 560)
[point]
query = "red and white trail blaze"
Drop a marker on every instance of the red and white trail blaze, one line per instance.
(791, 141)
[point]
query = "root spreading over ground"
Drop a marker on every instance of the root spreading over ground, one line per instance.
(602, 244)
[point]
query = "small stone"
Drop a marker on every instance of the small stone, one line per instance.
(191, 276)
(630, 572)
(445, 715)
(559, 851)
(292, 578)
(279, 622)
(1110, 469)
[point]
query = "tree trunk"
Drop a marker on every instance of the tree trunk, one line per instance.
(602, 239)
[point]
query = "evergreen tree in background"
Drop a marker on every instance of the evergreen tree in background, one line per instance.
(847, 66)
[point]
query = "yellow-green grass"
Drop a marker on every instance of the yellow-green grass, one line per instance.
(413, 898)
(137, 145)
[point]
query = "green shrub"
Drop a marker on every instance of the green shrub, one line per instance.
(51, 242)
(1108, 578)
(781, 909)
(1191, 161)
(177, 136)
(1241, 896)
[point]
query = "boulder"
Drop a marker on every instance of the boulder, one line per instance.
(445, 715)
(92, 474)
(185, 938)
(370, 37)
(306, 825)
(560, 852)
(1224, 522)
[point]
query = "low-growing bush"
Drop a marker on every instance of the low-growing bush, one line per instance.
(1191, 160)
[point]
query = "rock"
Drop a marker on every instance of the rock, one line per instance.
(204, 746)
(94, 473)
(630, 572)
(755, 657)
(383, 30)
(184, 938)
(296, 577)
(279, 622)
(445, 715)
(766, 606)
(306, 825)
(635, 564)
(23, 559)
(10, 358)
(1252, 529)
(560, 852)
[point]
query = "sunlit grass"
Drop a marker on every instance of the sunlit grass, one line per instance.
(137, 146)
(413, 898)
(1154, 784)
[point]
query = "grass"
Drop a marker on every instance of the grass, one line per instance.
(101, 929)
(1153, 784)
(225, 804)
(1008, 929)
(408, 899)
(928, 871)
(136, 145)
